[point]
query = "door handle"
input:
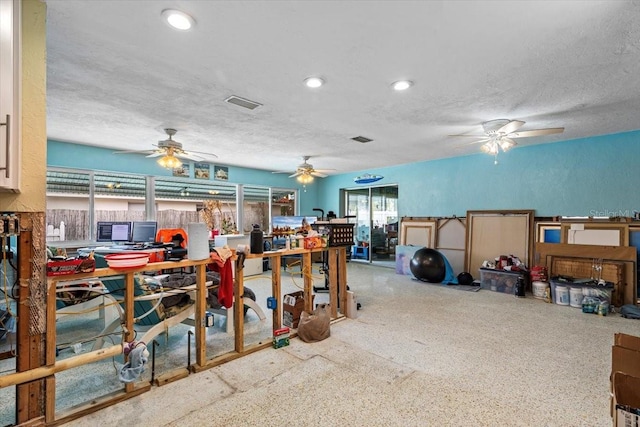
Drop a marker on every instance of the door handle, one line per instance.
(7, 124)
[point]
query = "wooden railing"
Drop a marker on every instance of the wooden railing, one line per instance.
(336, 258)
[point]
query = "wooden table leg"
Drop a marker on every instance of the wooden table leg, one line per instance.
(276, 291)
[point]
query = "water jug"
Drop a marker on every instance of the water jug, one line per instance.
(256, 245)
(519, 288)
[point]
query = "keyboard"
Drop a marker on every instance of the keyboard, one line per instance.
(124, 247)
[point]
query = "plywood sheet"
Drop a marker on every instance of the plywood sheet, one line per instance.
(494, 233)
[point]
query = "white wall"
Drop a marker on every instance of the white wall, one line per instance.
(179, 206)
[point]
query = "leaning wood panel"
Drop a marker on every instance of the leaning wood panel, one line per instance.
(493, 233)
(545, 252)
(612, 271)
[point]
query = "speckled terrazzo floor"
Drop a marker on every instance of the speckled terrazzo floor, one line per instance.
(417, 355)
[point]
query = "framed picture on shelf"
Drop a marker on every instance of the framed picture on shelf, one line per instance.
(221, 173)
(182, 171)
(201, 170)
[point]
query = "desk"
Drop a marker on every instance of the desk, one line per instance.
(155, 254)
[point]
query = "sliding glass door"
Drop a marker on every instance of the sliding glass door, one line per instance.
(375, 210)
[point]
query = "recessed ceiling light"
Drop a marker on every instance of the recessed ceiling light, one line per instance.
(178, 20)
(402, 85)
(313, 82)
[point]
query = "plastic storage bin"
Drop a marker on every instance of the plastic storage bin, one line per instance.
(501, 280)
(601, 292)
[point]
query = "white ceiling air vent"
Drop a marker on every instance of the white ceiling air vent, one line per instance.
(236, 100)
(362, 139)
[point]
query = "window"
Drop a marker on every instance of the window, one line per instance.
(77, 200)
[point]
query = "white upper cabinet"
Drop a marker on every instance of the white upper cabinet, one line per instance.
(10, 78)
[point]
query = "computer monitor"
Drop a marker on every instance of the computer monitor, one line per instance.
(144, 231)
(113, 231)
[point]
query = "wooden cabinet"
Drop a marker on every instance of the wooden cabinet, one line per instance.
(10, 95)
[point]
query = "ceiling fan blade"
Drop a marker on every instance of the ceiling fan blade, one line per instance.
(535, 132)
(281, 172)
(156, 154)
(202, 153)
(479, 140)
(295, 174)
(134, 152)
(188, 156)
(318, 174)
(510, 127)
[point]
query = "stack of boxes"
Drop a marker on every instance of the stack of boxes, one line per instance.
(281, 337)
(292, 307)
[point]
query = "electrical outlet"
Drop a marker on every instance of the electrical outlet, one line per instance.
(272, 303)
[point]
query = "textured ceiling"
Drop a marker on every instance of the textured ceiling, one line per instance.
(117, 75)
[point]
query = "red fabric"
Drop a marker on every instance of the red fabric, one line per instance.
(225, 290)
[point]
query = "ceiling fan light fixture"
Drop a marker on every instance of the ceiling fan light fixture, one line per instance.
(305, 178)
(490, 147)
(401, 85)
(313, 82)
(178, 20)
(169, 161)
(506, 144)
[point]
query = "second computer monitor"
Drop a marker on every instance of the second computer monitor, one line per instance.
(144, 231)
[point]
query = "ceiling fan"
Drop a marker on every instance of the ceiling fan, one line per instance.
(500, 134)
(305, 171)
(171, 152)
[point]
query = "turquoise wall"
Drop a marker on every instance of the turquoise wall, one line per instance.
(596, 176)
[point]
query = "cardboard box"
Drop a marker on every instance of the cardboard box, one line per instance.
(626, 400)
(281, 337)
(625, 355)
(625, 380)
(70, 266)
(292, 307)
